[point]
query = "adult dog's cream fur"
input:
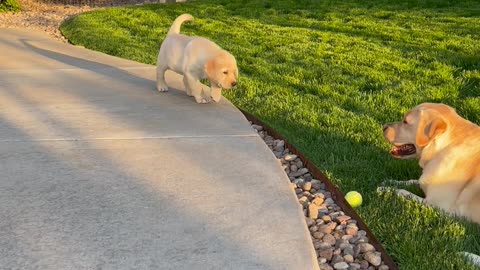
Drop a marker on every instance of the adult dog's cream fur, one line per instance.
(196, 58)
(448, 149)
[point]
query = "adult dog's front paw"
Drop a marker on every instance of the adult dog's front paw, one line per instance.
(475, 259)
(401, 192)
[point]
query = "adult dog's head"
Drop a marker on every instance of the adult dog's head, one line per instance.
(424, 125)
(222, 70)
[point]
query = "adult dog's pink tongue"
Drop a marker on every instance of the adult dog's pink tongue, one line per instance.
(403, 150)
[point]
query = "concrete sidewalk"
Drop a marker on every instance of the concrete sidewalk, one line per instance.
(100, 171)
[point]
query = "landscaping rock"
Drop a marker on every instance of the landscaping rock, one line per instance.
(336, 258)
(348, 251)
(299, 172)
(329, 239)
(341, 219)
(348, 258)
(290, 158)
(373, 257)
(318, 235)
(351, 229)
(336, 237)
(365, 247)
(318, 201)
(364, 264)
(307, 187)
(321, 260)
(354, 266)
(309, 221)
(326, 253)
(293, 168)
(340, 266)
(257, 127)
(325, 266)
(299, 164)
(313, 211)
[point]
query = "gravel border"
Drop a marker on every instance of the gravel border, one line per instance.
(338, 241)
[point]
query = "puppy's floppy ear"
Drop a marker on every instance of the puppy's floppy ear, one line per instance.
(210, 67)
(428, 129)
(213, 65)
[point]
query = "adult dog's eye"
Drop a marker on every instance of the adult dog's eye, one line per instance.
(225, 72)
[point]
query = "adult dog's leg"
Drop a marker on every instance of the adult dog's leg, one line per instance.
(409, 195)
(193, 88)
(216, 94)
(399, 183)
(475, 259)
(161, 84)
(402, 192)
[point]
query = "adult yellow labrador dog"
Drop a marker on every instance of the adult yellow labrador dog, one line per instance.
(195, 58)
(448, 149)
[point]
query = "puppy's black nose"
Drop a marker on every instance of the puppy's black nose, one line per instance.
(385, 127)
(234, 83)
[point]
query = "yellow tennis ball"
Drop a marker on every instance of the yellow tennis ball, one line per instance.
(354, 198)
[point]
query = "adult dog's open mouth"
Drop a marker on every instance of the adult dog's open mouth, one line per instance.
(403, 150)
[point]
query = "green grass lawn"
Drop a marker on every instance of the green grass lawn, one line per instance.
(9, 5)
(327, 75)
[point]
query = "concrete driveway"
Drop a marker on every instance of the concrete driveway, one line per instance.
(100, 171)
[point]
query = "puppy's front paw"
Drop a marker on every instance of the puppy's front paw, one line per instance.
(207, 99)
(162, 87)
(216, 95)
(200, 100)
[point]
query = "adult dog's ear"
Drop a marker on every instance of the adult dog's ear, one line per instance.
(429, 128)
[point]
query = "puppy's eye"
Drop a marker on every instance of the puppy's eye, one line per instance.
(225, 72)
(405, 122)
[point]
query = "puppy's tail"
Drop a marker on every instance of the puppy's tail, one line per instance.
(175, 28)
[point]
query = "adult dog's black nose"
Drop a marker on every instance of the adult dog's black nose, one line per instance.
(234, 83)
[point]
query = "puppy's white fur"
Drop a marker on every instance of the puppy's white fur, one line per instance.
(195, 58)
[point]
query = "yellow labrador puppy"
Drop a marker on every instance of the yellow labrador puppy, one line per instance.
(448, 149)
(196, 58)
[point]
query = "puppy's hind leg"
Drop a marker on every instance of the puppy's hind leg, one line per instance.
(161, 83)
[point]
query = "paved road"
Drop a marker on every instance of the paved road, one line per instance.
(100, 171)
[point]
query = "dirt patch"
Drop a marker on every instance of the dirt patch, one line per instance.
(41, 16)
